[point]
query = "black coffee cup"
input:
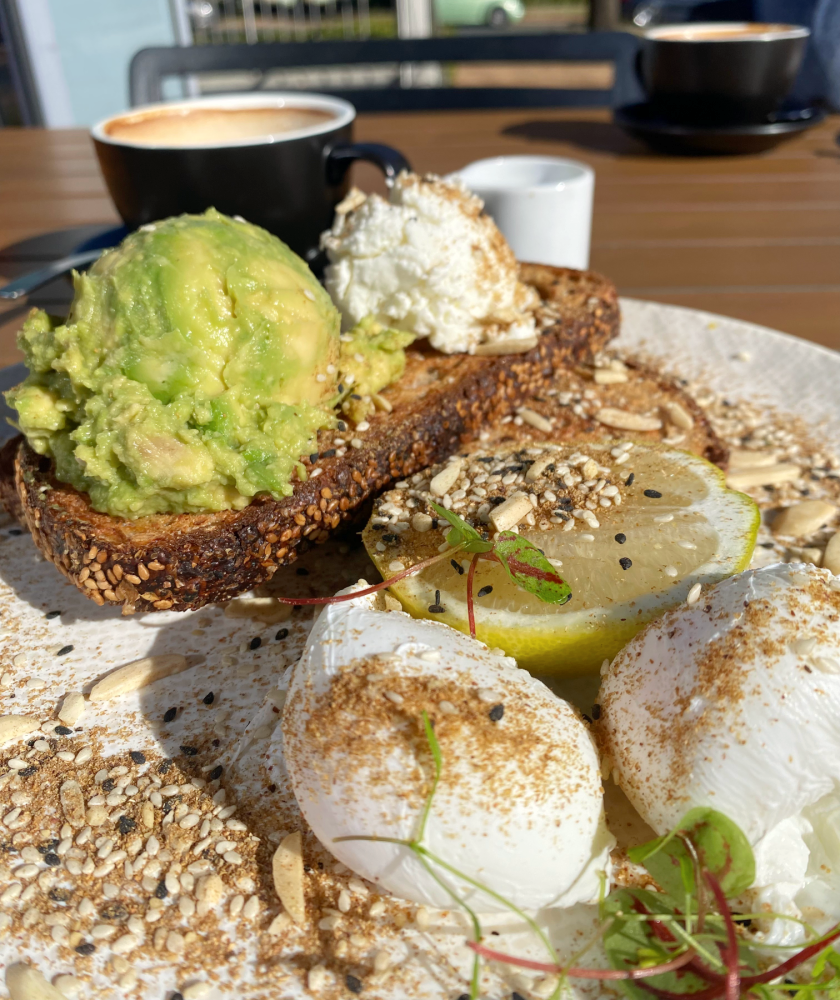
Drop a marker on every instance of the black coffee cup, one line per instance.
(726, 73)
(287, 181)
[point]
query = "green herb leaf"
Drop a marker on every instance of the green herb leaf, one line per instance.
(529, 569)
(721, 846)
(462, 534)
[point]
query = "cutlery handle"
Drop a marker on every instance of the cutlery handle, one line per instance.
(36, 279)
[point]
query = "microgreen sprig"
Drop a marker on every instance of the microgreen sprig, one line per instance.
(681, 942)
(524, 563)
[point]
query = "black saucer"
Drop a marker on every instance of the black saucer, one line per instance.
(644, 122)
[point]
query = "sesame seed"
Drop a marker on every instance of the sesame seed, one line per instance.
(52, 614)
(671, 571)
(485, 591)
(216, 773)
(496, 712)
(189, 751)
(621, 538)
(170, 714)
(255, 643)
(625, 563)
(459, 569)
(653, 494)
(352, 983)
(630, 479)
(137, 757)
(694, 594)
(209, 698)
(63, 731)
(683, 544)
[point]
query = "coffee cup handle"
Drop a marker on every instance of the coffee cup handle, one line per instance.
(341, 156)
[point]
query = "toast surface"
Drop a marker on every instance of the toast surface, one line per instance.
(574, 399)
(184, 561)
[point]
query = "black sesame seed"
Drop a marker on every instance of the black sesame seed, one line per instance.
(53, 860)
(126, 824)
(625, 563)
(177, 996)
(437, 608)
(64, 650)
(342, 426)
(209, 698)
(47, 846)
(216, 773)
(163, 766)
(516, 996)
(63, 730)
(27, 772)
(496, 500)
(170, 714)
(630, 479)
(653, 494)
(353, 984)
(86, 948)
(281, 634)
(561, 514)
(313, 458)
(113, 911)
(189, 751)
(59, 894)
(596, 711)
(565, 502)
(52, 614)
(329, 453)
(485, 591)
(459, 569)
(355, 395)
(108, 785)
(302, 571)
(390, 539)
(15, 531)
(621, 538)
(161, 892)
(496, 713)
(137, 757)
(255, 643)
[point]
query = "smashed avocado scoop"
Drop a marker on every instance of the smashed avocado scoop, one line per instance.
(197, 364)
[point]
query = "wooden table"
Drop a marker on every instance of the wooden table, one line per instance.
(756, 237)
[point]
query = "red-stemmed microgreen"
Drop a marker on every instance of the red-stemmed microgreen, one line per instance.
(524, 563)
(681, 943)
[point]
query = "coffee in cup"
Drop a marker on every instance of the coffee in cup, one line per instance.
(278, 160)
(720, 73)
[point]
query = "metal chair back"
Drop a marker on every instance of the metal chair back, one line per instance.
(151, 66)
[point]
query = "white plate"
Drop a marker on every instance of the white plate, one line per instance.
(794, 375)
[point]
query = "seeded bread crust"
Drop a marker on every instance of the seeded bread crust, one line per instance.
(184, 561)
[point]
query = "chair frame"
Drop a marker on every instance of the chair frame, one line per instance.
(150, 66)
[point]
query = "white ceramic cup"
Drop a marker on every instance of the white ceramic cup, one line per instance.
(542, 205)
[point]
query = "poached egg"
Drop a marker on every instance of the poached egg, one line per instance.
(519, 806)
(734, 703)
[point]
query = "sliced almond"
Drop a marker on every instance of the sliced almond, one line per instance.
(626, 421)
(679, 416)
(287, 869)
(12, 727)
(26, 983)
(72, 708)
(534, 419)
(538, 467)
(831, 556)
(804, 518)
(136, 675)
(511, 512)
(608, 376)
(769, 475)
(262, 609)
(744, 458)
(443, 482)
(72, 802)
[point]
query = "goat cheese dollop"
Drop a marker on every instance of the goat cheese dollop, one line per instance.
(519, 808)
(428, 261)
(734, 703)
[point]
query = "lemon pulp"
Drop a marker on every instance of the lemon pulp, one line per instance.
(674, 524)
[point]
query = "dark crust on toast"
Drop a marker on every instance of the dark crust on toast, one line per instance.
(184, 561)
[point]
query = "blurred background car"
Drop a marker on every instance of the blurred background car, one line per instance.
(473, 13)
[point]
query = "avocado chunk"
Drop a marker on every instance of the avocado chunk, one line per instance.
(198, 362)
(372, 357)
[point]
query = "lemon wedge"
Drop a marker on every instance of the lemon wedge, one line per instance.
(633, 529)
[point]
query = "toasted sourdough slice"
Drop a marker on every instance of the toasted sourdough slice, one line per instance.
(184, 561)
(573, 401)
